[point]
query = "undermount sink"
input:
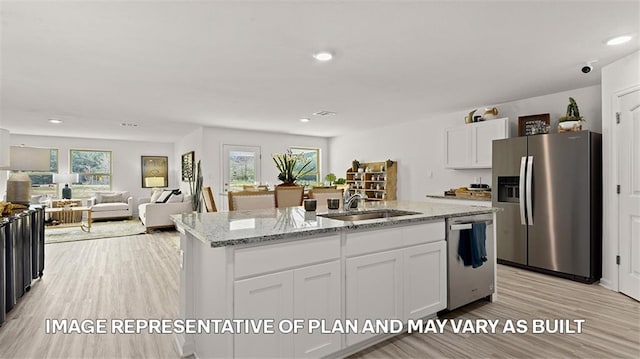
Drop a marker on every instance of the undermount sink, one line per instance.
(361, 216)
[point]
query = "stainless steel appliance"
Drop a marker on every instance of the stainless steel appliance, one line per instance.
(466, 284)
(549, 188)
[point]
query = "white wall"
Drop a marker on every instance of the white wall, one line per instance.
(616, 78)
(418, 146)
(191, 142)
(126, 161)
(208, 145)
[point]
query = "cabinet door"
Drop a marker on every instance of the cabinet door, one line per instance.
(483, 134)
(458, 147)
(374, 289)
(264, 297)
(425, 279)
(317, 295)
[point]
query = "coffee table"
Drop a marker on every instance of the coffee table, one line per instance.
(68, 214)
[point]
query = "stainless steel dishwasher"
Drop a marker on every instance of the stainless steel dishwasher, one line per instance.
(466, 284)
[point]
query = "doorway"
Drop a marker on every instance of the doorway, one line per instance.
(241, 166)
(628, 155)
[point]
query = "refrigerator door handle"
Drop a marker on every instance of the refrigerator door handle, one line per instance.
(523, 165)
(528, 196)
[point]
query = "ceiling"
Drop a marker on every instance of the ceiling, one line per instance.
(172, 66)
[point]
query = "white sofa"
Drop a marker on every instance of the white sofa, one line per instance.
(115, 204)
(156, 215)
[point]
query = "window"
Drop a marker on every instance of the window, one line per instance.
(94, 168)
(42, 182)
(313, 154)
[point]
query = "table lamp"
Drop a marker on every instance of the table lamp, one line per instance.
(22, 158)
(66, 178)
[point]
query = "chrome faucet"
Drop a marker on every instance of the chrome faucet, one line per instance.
(349, 199)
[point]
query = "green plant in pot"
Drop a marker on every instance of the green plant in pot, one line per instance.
(331, 178)
(572, 118)
(291, 166)
(340, 181)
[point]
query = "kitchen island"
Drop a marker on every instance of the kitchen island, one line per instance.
(308, 274)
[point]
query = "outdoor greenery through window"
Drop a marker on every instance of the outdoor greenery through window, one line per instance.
(42, 182)
(313, 177)
(94, 168)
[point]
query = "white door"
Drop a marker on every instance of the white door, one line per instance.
(628, 134)
(425, 279)
(241, 166)
(267, 297)
(317, 295)
(374, 290)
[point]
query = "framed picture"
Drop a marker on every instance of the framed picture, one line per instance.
(533, 124)
(187, 166)
(155, 171)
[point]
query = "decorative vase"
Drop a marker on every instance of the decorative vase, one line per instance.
(569, 126)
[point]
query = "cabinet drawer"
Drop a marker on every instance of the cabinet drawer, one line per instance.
(275, 257)
(397, 237)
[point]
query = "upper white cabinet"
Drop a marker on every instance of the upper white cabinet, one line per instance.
(469, 146)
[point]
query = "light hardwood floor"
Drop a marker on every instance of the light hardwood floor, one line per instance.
(137, 277)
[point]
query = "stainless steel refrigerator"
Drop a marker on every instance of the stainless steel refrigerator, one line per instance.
(549, 188)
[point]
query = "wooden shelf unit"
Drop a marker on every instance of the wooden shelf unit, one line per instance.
(378, 183)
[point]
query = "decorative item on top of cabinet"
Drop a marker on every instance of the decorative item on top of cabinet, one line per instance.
(533, 124)
(572, 121)
(470, 146)
(378, 183)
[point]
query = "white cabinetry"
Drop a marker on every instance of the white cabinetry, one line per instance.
(264, 297)
(374, 291)
(425, 279)
(395, 283)
(306, 291)
(317, 295)
(469, 146)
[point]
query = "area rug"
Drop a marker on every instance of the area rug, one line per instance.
(98, 230)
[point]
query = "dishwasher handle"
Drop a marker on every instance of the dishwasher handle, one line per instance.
(462, 226)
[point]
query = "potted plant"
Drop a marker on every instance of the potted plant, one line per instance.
(331, 178)
(291, 166)
(571, 121)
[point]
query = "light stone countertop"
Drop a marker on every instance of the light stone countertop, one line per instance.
(485, 199)
(242, 227)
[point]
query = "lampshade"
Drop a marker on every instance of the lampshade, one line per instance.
(66, 178)
(29, 159)
(154, 182)
(4, 148)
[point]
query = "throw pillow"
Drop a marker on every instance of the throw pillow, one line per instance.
(111, 198)
(176, 198)
(155, 194)
(166, 194)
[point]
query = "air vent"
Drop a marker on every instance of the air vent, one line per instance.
(324, 113)
(124, 124)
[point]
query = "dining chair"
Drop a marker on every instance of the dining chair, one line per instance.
(209, 202)
(289, 196)
(248, 187)
(322, 194)
(248, 200)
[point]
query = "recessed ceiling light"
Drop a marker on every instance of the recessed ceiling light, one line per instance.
(618, 40)
(323, 56)
(53, 120)
(304, 120)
